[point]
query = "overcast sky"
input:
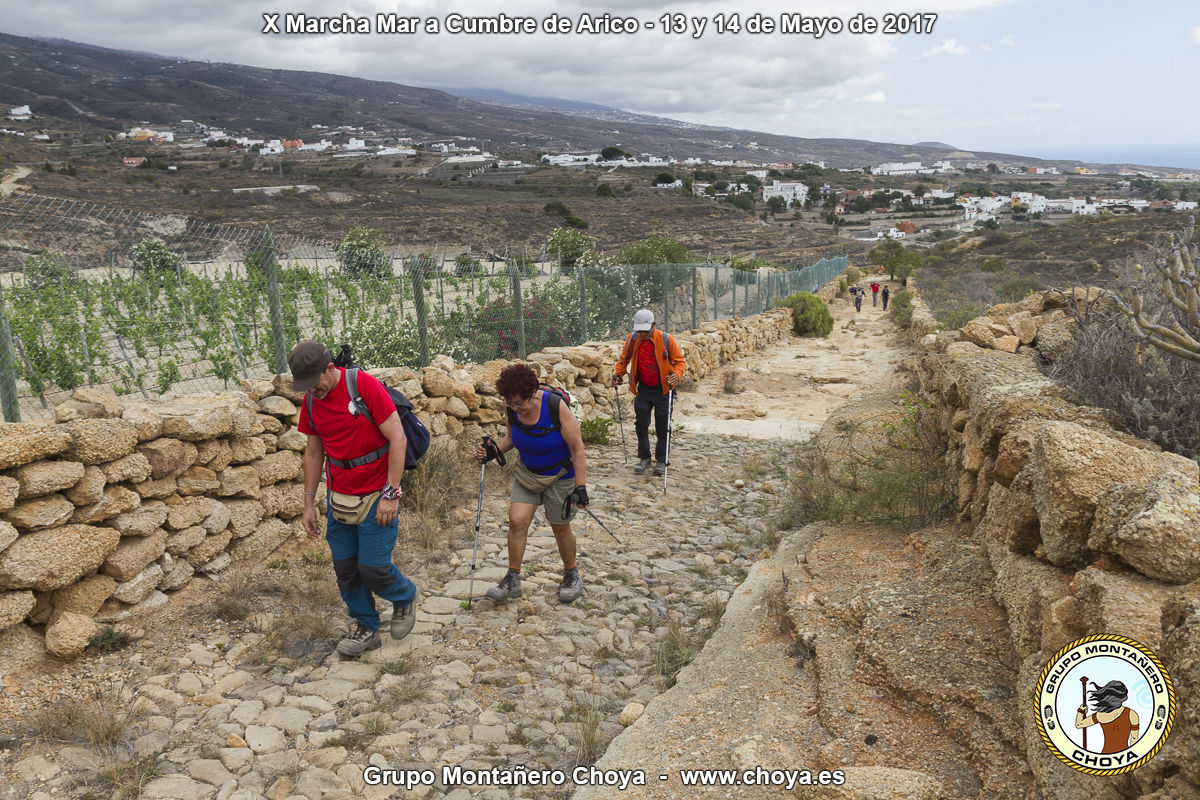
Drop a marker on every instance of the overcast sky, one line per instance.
(1036, 77)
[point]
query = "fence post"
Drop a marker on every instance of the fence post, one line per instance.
(629, 309)
(8, 370)
(666, 268)
(416, 272)
(278, 343)
(518, 308)
(695, 278)
(583, 326)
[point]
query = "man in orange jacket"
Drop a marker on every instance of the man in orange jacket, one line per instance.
(655, 365)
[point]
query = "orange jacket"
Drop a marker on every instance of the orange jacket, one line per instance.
(668, 354)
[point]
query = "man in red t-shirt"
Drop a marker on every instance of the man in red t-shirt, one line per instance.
(362, 450)
(874, 293)
(655, 365)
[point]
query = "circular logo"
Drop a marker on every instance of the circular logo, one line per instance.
(1105, 704)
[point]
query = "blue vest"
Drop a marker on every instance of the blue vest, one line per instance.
(543, 450)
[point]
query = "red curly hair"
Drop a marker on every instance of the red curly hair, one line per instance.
(517, 381)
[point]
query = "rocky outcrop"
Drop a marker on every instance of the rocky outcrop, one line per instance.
(1088, 530)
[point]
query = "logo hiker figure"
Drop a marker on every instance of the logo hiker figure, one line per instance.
(362, 450)
(655, 365)
(551, 472)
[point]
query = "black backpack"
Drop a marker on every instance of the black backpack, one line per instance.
(557, 396)
(414, 431)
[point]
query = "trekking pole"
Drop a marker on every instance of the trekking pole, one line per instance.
(670, 414)
(621, 423)
(567, 512)
(488, 445)
(1083, 681)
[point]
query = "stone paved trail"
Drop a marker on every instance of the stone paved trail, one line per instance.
(530, 684)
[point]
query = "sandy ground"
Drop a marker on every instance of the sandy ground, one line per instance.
(789, 389)
(9, 184)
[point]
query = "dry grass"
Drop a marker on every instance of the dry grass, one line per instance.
(308, 622)
(126, 777)
(729, 382)
(243, 590)
(432, 491)
(101, 719)
(675, 651)
(586, 717)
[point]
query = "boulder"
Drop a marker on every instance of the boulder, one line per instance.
(266, 537)
(137, 588)
(179, 542)
(168, 457)
(282, 385)
(1154, 529)
(46, 477)
(176, 576)
(1122, 604)
(244, 516)
(134, 468)
(280, 408)
(116, 500)
(239, 482)
(1071, 467)
(189, 511)
(197, 480)
(90, 403)
(142, 521)
(84, 597)
(8, 534)
(133, 554)
(210, 548)
(292, 439)
(14, 606)
(69, 635)
(95, 441)
(216, 454)
(41, 512)
(436, 382)
(198, 418)
(247, 449)
(54, 558)
(24, 443)
(10, 489)
(282, 466)
(147, 423)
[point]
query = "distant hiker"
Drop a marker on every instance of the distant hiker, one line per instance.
(885, 294)
(362, 452)
(874, 293)
(550, 472)
(655, 365)
(858, 298)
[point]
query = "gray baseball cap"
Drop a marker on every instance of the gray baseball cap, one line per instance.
(643, 320)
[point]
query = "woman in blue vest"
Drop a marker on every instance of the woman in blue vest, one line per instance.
(550, 472)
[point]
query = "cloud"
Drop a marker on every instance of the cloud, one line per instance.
(949, 47)
(873, 97)
(1008, 40)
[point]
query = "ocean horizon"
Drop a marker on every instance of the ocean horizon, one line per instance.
(1183, 156)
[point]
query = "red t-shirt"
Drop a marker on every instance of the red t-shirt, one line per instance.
(647, 364)
(345, 436)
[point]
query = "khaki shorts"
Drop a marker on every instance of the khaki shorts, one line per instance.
(551, 499)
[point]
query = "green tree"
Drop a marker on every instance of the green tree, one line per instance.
(810, 314)
(361, 253)
(664, 177)
(612, 153)
(778, 204)
(604, 190)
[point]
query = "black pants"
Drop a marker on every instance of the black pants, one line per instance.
(885, 299)
(651, 398)
(858, 302)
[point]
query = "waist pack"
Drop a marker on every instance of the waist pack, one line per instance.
(534, 482)
(414, 431)
(351, 509)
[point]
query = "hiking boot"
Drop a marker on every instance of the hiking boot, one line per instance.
(360, 640)
(404, 617)
(509, 586)
(660, 469)
(642, 466)
(571, 586)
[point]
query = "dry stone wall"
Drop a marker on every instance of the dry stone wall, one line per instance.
(121, 502)
(1089, 530)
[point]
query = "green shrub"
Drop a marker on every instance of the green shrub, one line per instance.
(1024, 247)
(991, 265)
(360, 253)
(810, 314)
(151, 256)
(1017, 288)
(595, 430)
(902, 308)
(955, 318)
(853, 274)
(843, 287)
(48, 269)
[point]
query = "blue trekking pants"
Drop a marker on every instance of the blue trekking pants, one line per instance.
(362, 561)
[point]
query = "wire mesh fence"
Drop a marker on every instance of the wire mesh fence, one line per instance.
(95, 296)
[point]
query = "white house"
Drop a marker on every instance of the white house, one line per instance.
(20, 112)
(761, 174)
(794, 192)
(1185, 205)
(570, 159)
(355, 144)
(896, 168)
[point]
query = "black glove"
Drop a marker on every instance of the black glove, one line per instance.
(616, 380)
(579, 496)
(492, 450)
